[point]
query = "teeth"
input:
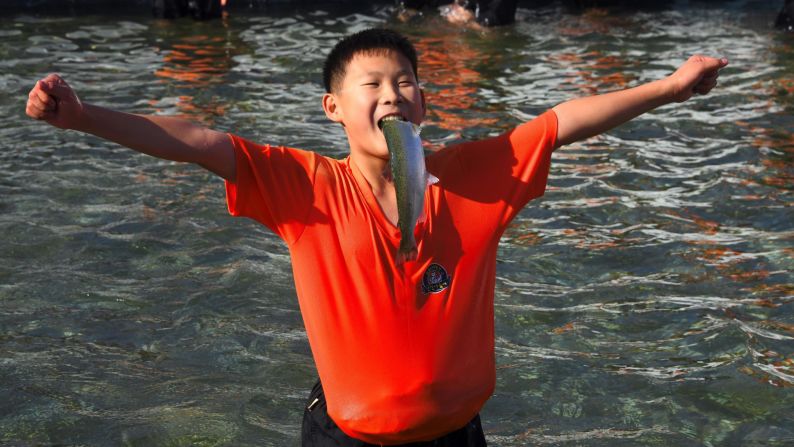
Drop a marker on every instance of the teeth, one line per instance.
(390, 118)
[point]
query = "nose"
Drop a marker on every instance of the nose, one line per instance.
(390, 94)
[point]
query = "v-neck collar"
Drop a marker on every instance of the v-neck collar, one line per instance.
(365, 189)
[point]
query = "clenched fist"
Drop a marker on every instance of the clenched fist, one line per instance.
(697, 75)
(52, 100)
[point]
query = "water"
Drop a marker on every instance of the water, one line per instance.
(646, 299)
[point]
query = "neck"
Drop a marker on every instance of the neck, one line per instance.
(375, 170)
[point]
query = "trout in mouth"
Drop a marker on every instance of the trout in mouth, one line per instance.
(410, 179)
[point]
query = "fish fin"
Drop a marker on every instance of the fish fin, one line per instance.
(431, 179)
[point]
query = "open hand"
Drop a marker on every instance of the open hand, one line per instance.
(53, 101)
(697, 75)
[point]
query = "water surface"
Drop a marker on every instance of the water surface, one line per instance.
(646, 299)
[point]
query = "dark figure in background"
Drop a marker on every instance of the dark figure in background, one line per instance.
(785, 20)
(578, 5)
(486, 12)
(198, 9)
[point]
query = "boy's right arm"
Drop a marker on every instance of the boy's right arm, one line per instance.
(53, 101)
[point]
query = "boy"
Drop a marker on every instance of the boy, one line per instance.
(405, 352)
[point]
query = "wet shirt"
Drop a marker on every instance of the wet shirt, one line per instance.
(405, 352)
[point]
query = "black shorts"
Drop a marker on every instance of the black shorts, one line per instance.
(320, 431)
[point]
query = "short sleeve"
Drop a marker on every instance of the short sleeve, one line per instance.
(273, 185)
(532, 144)
(501, 173)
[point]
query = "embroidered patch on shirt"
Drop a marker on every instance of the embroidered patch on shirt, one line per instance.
(435, 279)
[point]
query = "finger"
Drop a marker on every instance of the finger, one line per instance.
(31, 113)
(709, 63)
(52, 78)
(35, 104)
(47, 85)
(704, 88)
(38, 113)
(55, 85)
(707, 85)
(34, 112)
(38, 95)
(43, 97)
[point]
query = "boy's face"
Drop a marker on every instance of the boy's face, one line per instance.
(374, 86)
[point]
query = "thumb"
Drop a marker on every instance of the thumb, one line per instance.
(55, 85)
(722, 62)
(46, 86)
(712, 63)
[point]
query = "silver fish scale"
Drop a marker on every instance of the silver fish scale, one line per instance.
(409, 175)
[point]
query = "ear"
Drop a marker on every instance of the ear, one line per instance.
(331, 107)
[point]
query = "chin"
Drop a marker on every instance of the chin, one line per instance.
(380, 150)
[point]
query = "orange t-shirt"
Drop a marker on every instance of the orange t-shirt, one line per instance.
(405, 352)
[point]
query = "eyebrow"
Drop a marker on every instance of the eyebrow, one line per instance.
(379, 73)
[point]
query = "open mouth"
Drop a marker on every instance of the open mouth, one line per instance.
(393, 117)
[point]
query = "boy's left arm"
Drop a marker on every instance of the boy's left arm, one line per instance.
(589, 116)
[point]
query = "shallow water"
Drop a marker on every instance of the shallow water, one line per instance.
(646, 299)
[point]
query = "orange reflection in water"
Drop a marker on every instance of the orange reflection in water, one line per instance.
(595, 240)
(593, 20)
(786, 85)
(593, 72)
(780, 367)
(564, 328)
(450, 80)
(778, 171)
(782, 290)
(196, 62)
(528, 238)
(729, 263)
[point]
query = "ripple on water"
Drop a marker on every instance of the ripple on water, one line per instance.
(646, 299)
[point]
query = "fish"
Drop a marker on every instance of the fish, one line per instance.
(410, 177)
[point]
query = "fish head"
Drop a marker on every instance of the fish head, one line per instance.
(393, 116)
(396, 117)
(400, 134)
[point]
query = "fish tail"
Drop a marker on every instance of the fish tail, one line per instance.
(408, 255)
(407, 251)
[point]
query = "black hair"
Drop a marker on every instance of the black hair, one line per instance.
(369, 41)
